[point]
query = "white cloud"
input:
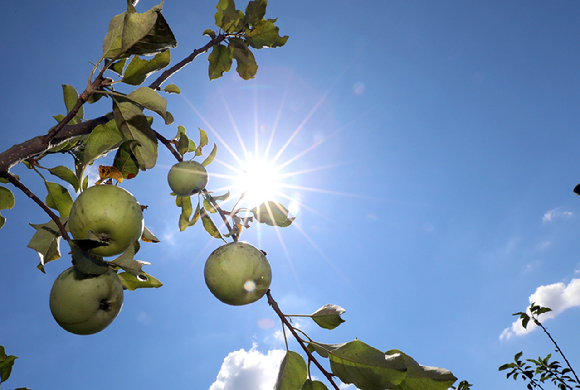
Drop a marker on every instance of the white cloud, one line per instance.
(249, 370)
(557, 297)
(549, 216)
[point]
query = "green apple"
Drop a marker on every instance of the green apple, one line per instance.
(238, 273)
(187, 178)
(111, 213)
(85, 304)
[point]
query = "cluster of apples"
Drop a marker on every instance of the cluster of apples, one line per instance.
(236, 273)
(86, 304)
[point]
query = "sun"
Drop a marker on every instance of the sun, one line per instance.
(258, 183)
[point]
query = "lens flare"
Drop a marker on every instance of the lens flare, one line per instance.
(250, 286)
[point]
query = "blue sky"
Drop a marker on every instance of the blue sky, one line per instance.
(430, 150)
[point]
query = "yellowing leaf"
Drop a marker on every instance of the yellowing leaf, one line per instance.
(147, 236)
(108, 172)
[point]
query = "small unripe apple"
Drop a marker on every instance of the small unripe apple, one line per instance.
(187, 178)
(85, 304)
(238, 273)
(111, 213)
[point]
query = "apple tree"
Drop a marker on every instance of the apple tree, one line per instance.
(103, 224)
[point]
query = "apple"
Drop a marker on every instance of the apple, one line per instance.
(187, 178)
(111, 213)
(238, 273)
(85, 304)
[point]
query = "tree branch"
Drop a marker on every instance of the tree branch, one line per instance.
(284, 320)
(18, 184)
(63, 132)
(180, 65)
(37, 145)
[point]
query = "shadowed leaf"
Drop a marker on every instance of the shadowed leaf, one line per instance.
(139, 69)
(6, 202)
(328, 316)
(220, 61)
(292, 373)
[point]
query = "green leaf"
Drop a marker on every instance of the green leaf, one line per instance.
(209, 225)
(209, 159)
(6, 363)
(255, 11)
(67, 175)
(6, 202)
(59, 117)
(71, 97)
(220, 61)
(203, 141)
(46, 241)
(186, 210)
(118, 66)
(83, 260)
(272, 214)
(131, 282)
(209, 32)
(370, 369)
(183, 144)
(58, 198)
(96, 96)
(128, 263)
(422, 377)
(102, 140)
(265, 34)
(125, 160)
(247, 66)
(292, 373)
(364, 366)
(142, 34)
(227, 17)
(217, 198)
(152, 100)
(172, 88)
(134, 125)
(138, 69)
(180, 130)
(328, 316)
(196, 214)
(313, 385)
(208, 206)
(67, 145)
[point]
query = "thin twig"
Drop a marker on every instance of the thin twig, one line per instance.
(169, 146)
(557, 347)
(17, 183)
(311, 357)
(221, 212)
(177, 67)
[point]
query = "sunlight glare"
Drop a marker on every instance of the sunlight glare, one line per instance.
(260, 182)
